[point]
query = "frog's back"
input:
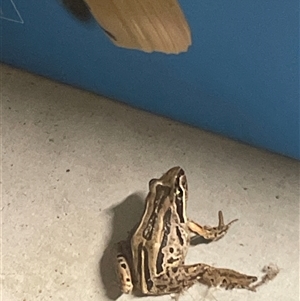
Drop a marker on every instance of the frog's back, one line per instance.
(160, 241)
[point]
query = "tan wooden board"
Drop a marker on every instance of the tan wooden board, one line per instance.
(147, 25)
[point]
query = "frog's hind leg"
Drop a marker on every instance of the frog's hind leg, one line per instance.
(178, 279)
(208, 232)
(188, 275)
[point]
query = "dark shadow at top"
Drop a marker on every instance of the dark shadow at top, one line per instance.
(78, 8)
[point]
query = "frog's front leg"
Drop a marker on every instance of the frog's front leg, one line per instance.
(122, 267)
(208, 232)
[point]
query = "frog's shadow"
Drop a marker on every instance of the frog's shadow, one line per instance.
(124, 218)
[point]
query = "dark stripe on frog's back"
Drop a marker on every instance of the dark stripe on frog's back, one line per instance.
(179, 193)
(164, 242)
(179, 236)
(147, 274)
(162, 193)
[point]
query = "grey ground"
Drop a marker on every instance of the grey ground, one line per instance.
(75, 171)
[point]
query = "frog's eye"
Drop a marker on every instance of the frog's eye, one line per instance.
(152, 183)
(183, 182)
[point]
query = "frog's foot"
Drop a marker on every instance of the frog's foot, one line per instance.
(270, 271)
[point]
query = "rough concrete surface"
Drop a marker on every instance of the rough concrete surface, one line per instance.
(75, 171)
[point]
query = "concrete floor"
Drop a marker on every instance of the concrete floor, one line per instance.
(75, 171)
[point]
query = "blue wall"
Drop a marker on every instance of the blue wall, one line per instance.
(240, 77)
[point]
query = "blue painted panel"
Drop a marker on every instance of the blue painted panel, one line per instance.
(240, 77)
